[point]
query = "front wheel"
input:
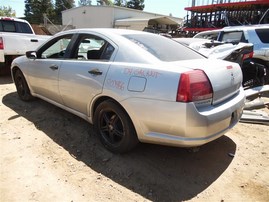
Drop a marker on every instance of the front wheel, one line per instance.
(114, 127)
(22, 87)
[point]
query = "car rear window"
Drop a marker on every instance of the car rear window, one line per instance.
(163, 48)
(13, 26)
(263, 34)
(233, 37)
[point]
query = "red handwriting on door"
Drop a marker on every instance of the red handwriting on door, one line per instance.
(115, 84)
(141, 72)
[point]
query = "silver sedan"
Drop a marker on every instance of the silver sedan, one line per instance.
(134, 87)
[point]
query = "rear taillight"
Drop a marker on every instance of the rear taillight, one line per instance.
(1, 43)
(194, 86)
(248, 55)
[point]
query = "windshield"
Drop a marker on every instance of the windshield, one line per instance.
(163, 48)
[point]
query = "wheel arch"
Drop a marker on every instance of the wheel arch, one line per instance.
(14, 70)
(22, 87)
(101, 99)
(112, 108)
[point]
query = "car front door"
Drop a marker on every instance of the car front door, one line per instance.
(43, 71)
(82, 76)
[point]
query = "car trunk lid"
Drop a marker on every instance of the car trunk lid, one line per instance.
(225, 77)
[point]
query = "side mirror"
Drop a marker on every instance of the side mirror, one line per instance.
(31, 54)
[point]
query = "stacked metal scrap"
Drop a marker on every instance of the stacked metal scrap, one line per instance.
(256, 110)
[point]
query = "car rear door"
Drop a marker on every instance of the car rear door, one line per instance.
(82, 76)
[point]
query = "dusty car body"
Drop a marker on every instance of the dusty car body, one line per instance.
(134, 86)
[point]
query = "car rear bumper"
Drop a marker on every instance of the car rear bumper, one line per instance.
(182, 124)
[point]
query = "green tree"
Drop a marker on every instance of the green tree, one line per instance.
(7, 11)
(85, 2)
(35, 9)
(59, 6)
(28, 9)
(121, 3)
(104, 2)
(136, 4)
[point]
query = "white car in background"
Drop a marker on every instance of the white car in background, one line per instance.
(256, 72)
(210, 34)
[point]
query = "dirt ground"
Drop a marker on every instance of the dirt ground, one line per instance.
(48, 154)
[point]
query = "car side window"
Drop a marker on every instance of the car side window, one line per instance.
(23, 28)
(57, 47)
(263, 34)
(92, 47)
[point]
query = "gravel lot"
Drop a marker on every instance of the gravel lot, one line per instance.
(48, 154)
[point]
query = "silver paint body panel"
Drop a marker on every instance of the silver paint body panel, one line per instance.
(144, 86)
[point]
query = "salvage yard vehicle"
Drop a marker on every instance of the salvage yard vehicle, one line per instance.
(256, 68)
(134, 87)
(219, 50)
(16, 37)
(256, 72)
(240, 53)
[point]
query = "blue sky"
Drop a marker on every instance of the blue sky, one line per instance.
(165, 7)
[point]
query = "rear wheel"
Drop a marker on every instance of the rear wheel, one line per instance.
(22, 87)
(114, 127)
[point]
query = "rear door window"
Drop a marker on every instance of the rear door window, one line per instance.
(263, 34)
(23, 28)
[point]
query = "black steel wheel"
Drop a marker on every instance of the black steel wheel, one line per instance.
(22, 87)
(114, 127)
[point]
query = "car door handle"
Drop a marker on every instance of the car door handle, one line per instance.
(34, 40)
(54, 67)
(95, 72)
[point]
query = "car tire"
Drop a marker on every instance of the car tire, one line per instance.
(22, 86)
(114, 127)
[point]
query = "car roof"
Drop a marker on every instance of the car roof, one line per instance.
(209, 31)
(245, 27)
(12, 19)
(106, 31)
(214, 32)
(233, 28)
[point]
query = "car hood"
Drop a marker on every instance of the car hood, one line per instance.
(225, 77)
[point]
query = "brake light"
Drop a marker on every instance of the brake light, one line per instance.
(1, 43)
(248, 55)
(6, 18)
(194, 86)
